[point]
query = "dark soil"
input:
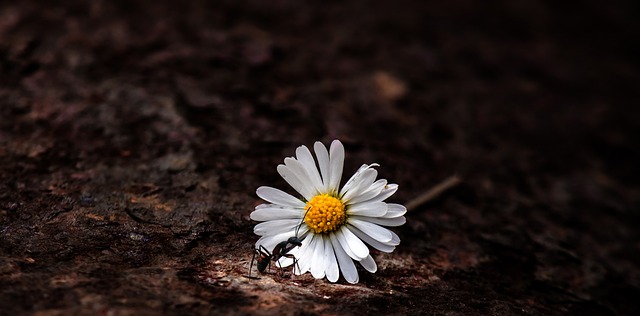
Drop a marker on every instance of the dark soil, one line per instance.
(133, 135)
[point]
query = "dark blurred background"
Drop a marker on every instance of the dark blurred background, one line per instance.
(133, 135)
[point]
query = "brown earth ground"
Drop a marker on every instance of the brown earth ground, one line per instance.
(133, 135)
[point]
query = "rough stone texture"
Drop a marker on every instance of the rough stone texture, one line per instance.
(133, 135)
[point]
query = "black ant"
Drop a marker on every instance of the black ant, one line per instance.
(279, 251)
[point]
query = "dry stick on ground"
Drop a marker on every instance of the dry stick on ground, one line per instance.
(433, 193)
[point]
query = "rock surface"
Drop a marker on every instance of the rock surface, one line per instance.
(133, 135)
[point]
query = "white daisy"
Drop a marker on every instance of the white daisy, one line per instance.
(334, 224)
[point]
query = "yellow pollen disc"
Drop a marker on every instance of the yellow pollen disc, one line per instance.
(325, 213)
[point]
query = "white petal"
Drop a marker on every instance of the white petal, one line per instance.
(376, 232)
(386, 192)
(354, 176)
(279, 226)
(378, 185)
(306, 159)
(360, 184)
(372, 242)
(352, 242)
(279, 197)
(392, 222)
(345, 244)
(301, 229)
(304, 255)
(347, 267)
(369, 264)
(294, 181)
(374, 190)
(395, 210)
(352, 181)
(270, 241)
(323, 163)
(368, 209)
(336, 163)
(284, 262)
(317, 265)
(267, 212)
(330, 263)
(301, 172)
(395, 240)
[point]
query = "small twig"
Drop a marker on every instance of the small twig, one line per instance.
(433, 193)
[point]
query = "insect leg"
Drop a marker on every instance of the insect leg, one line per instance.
(295, 262)
(252, 258)
(267, 254)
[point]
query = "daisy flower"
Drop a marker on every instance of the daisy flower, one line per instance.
(335, 225)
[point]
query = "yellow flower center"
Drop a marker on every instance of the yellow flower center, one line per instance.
(325, 213)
